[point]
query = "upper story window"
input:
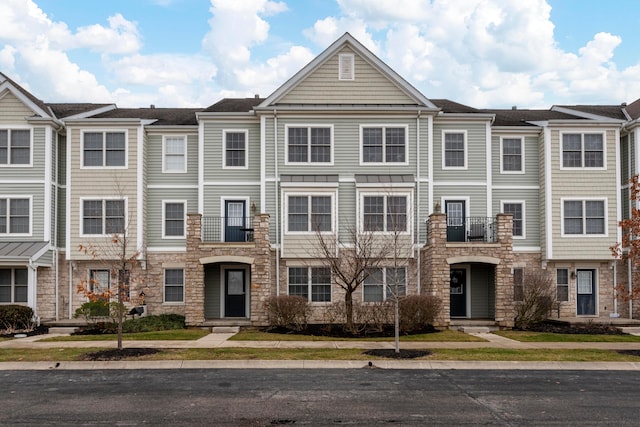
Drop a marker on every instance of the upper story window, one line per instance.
(582, 150)
(15, 215)
(103, 217)
(512, 150)
(104, 149)
(384, 283)
(15, 147)
(454, 150)
(174, 219)
(235, 149)
(384, 213)
(174, 154)
(312, 283)
(383, 144)
(309, 144)
(13, 285)
(517, 210)
(309, 213)
(584, 217)
(346, 66)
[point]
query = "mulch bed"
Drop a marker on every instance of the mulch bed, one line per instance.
(115, 354)
(338, 331)
(566, 328)
(38, 330)
(390, 353)
(629, 352)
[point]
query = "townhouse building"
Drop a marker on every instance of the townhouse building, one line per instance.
(225, 206)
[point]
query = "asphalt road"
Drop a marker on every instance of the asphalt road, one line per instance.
(368, 397)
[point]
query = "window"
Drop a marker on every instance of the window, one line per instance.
(104, 149)
(13, 285)
(518, 284)
(174, 221)
(15, 147)
(174, 285)
(582, 150)
(174, 154)
(310, 281)
(584, 217)
(309, 213)
(562, 283)
(455, 155)
(512, 155)
(384, 213)
(384, 144)
(100, 283)
(517, 210)
(103, 217)
(235, 149)
(380, 284)
(309, 144)
(346, 66)
(15, 216)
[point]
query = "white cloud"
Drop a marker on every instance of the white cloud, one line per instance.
(120, 38)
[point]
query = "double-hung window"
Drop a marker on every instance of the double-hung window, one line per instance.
(104, 149)
(454, 150)
(384, 144)
(512, 155)
(307, 144)
(103, 217)
(235, 149)
(309, 213)
(174, 154)
(562, 283)
(582, 150)
(100, 283)
(584, 217)
(13, 285)
(174, 219)
(174, 285)
(384, 283)
(15, 147)
(312, 283)
(15, 215)
(517, 210)
(384, 213)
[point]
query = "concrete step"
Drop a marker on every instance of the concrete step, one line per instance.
(225, 329)
(62, 329)
(477, 329)
(633, 330)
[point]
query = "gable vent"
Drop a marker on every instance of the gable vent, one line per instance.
(346, 66)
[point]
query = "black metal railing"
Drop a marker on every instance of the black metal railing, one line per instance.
(472, 229)
(227, 229)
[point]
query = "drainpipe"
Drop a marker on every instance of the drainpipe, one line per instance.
(70, 266)
(630, 289)
(615, 291)
(417, 220)
(277, 201)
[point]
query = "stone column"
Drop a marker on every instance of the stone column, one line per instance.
(194, 272)
(260, 269)
(436, 268)
(504, 272)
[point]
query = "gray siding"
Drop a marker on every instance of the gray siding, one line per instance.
(153, 158)
(213, 151)
(482, 305)
(476, 151)
(532, 213)
(36, 192)
(531, 162)
(212, 291)
(154, 208)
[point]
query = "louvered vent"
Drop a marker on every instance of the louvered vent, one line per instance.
(346, 65)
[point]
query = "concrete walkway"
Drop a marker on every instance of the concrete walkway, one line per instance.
(221, 340)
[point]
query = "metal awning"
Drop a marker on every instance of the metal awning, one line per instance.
(22, 251)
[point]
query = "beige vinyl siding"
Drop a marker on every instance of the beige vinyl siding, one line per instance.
(12, 110)
(213, 151)
(301, 246)
(154, 208)
(531, 162)
(36, 193)
(347, 214)
(476, 197)
(533, 216)
(584, 184)
(154, 160)
(369, 86)
(476, 151)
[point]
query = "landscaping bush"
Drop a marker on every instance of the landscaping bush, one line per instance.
(15, 317)
(93, 309)
(536, 298)
(287, 311)
(374, 315)
(418, 312)
(161, 322)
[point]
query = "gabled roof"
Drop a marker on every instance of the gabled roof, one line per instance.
(69, 110)
(633, 109)
(449, 106)
(234, 105)
(39, 108)
(594, 112)
(366, 54)
(520, 117)
(162, 116)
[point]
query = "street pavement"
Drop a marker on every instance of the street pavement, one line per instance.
(221, 340)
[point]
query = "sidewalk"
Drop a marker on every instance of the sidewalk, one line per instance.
(221, 340)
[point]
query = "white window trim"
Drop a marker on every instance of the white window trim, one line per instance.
(343, 57)
(20, 197)
(310, 283)
(164, 153)
(246, 148)
(308, 126)
(107, 198)
(522, 155)
(466, 150)
(31, 131)
(164, 224)
(105, 131)
(385, 297)
(164, 285)
(583, 133)
(13, 286)
(568, 284)
(584, 199)
(385, 193)
(309, 194)
(384, 144)
(524, 216)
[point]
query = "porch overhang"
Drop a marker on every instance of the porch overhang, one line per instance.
(473, 258)
(23, 253)
(226, 258)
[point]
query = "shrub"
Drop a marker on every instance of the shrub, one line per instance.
(535, 300)
(418, 312)
(92, 309)
(161, 322)
(375, 315)
(15, 317)
(287, 311)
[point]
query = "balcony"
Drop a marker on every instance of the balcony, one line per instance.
(227, 229)
(472, 229)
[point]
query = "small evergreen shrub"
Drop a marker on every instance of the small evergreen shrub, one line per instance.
(92, 309)
(288, 311)
(161, 322)
(418, 312)
(15, 317)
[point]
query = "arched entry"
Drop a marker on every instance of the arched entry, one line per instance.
(227, 285)
(472, 287)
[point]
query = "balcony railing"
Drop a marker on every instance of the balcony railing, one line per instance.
(469, 229)
(227, 229)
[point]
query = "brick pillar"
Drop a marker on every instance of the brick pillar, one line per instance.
(435, 266)
(260, 269)
(504, 272)
(194, 272)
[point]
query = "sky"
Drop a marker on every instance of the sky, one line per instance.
(192, 53)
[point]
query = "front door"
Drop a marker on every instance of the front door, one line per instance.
(586, 285)
(455, 211)
(458, 282)
(235, 293)
(234, 224)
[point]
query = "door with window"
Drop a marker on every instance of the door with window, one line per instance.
(586, 296)
(235, 292)
(455, 210)
(234, 221)
(458, 293)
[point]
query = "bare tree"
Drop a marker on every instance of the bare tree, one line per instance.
(629, 248)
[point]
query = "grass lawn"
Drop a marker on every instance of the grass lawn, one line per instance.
(526, 336)
(251, 334)
(174, 334)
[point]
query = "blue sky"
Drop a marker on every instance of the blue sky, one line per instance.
(484, 53)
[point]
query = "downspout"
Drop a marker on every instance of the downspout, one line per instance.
(70, 289)
(615, 286)
(277, 200)
(630, 288)
(55, 225)
(418, 176)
